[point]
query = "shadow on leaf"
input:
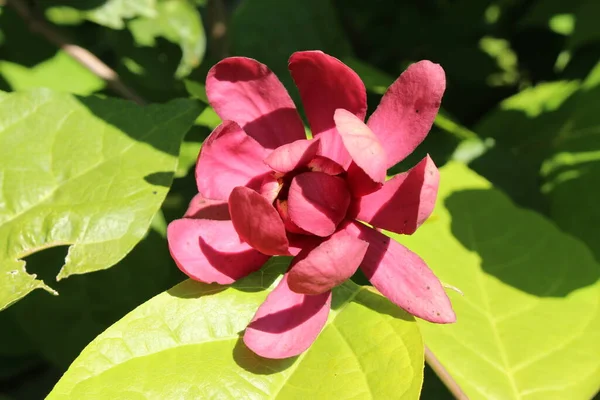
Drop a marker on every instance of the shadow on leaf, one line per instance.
(149, 124)
(367, 297)
(164, 178)
(251, 362)
(520, 247)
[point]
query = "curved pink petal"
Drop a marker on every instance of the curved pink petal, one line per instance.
(299, 242)
(360, 183)
(368, 171)
(229, 158)
(408, 108)
(293, 155)
(324, 164)
(326, 84)
(287, 323)
(245, 91)
(405, 201)
(270, 187)
(318, 202)
(318, 270)
(257, 222)
(282, 208)
(362, 144)
(403, 277)
(211, 251)
(202, 208)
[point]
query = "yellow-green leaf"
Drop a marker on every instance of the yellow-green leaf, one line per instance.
(89, 172)
(529, 320)
(186, 344)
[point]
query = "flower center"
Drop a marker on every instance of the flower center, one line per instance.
(313, 199)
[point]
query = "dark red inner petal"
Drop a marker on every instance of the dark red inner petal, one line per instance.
(318, 202)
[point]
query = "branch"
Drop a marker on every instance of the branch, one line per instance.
(81, 55)
(444, 375)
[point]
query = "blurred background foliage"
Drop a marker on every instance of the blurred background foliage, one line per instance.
(521, 108)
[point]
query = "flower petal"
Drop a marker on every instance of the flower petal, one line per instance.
(245, 91)
(407, 110)
(211, 251)
(257, 222)
(324, 164)
(202, 208)
(270, 187)
(362, 144)
(360, 183)
(403, 277)
(292, 155)
(318, 202)
(318, 270)
(326, 84)
(405, 201)
(299, 242)
(287, 323)
(282, 208)
(367, 173)
(229, 158)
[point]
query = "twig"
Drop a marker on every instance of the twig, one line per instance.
(81, 55)
(444, 375)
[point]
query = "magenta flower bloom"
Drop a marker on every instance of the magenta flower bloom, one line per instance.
(266, 190)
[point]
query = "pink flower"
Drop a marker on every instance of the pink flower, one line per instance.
(265, 190)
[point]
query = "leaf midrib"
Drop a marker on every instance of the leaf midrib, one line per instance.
(234, 337)
(327, 324)
(486, 303)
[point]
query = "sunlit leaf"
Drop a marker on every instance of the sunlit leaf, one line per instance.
(209, 117)
(52, 74)
(89, 172)
(179, 22)
(61, 327)
(575, 19)
(185, 343)
(552, 131)
(528, 323)
(110, 13)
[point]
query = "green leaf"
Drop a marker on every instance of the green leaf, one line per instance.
(110, 13)
(271, 30)
(552, 131)
(528, 323)
(571, 173)
(575, 19)
(187, 157)
(586, 29)
(88, 304)
(179, 22)
(89, 172)
(209, 117)
(185, 343)
(51, 74)
(542, 13)
(522, 128)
